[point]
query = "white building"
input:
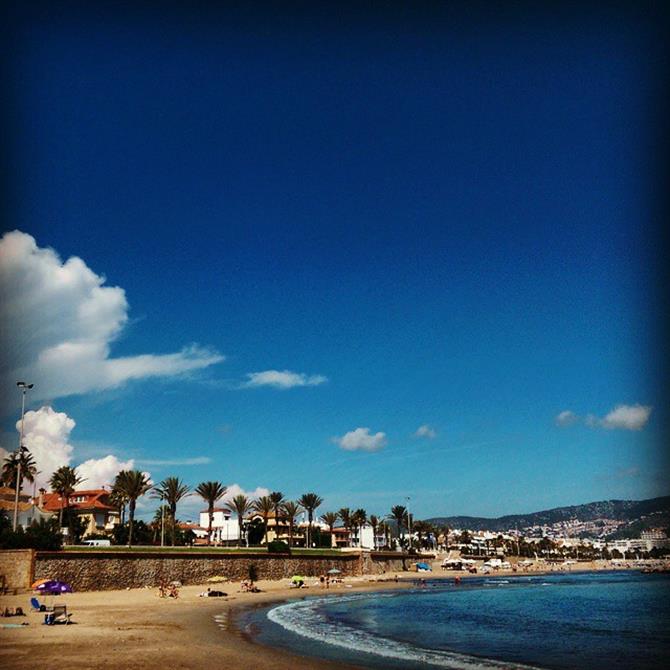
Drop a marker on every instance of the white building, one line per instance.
(225, 529)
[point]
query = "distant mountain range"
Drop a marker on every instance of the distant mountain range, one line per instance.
(631, 517)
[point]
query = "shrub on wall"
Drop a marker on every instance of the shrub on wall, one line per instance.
(278, 547)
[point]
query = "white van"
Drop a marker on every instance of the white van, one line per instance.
(96, 543)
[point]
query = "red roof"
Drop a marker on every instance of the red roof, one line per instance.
(93, 499)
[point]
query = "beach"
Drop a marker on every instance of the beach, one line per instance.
(136, 628)
(112, 629)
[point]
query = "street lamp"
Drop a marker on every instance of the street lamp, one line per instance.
(24, 389)
(409, 523)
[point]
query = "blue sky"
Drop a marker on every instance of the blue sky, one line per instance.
(434, 217)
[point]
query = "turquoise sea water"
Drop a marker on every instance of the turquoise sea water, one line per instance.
(595, 621)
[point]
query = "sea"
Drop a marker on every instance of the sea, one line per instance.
(596, 621)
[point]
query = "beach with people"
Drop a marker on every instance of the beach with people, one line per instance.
(151, 628)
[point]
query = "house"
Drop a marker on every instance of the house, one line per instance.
(92, 506)
(225, 529)
(28, 510)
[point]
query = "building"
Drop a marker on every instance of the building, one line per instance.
(28, 510)
(225, 529)
(92, 506)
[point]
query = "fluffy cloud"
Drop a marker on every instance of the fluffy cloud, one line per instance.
(283, 379)
(63, 320)
(47, 436)
(628, 417)
(361, 439)
(99, 472)
(566, 418)
(425, 431)
(622, 417)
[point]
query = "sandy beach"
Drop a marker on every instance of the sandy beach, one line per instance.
(136, 628)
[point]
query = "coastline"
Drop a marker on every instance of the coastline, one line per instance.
(113, 629)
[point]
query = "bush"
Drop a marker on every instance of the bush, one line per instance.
(278, 547)
(42, 535)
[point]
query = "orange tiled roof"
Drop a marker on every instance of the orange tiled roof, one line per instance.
(9, 505)
(95, 499)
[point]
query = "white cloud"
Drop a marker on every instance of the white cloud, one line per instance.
(283, 379)
(622, 417)
(63, 320)
(627, 417)
(425, 431)
(361, 439)
(47, 437)
(99, 472)
(566, 418)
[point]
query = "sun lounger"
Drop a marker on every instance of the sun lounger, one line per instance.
(58, 615)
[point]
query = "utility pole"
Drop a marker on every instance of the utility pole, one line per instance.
(24, 388)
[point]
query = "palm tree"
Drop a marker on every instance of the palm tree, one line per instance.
(264, 506)
(421, 528)
(358, 520)
(310, 501)
(330, 519)
(277, 498)
(291, 510)
(64, 481)
(374, 522)
(10, 468)
(399, 515)
(119, 500)
(240, 505)
(133, 484)
(157, 522)
(171, 490)
(345, 515)
(210, 492)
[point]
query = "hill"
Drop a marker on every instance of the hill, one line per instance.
(633, 515)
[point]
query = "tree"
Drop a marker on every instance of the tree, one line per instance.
(345, 516)
(210, 492)
(171, 490)
(374, 522)
(132, 484)
(358, 520)
(421, 528)
(399, 515)
(157, 523)
(330, 519)
(310, 501)
(291, 510)
(277, 498)
(240, 505)
(10, 468)
(64, 481)
(119, 500)
(264, 507)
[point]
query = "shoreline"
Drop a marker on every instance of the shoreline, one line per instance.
(113, 629)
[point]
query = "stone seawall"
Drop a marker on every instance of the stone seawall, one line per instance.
(99, 570)
(17, 567)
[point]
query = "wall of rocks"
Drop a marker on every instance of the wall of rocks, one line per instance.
(102, 571)
(17, 568)
(99, 570)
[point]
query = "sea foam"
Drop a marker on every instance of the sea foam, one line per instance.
(305, 618)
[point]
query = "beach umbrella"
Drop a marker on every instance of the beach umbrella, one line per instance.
(37, 584)
(54, 587)
(334, 571)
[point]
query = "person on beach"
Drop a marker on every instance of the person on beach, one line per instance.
(322, 581)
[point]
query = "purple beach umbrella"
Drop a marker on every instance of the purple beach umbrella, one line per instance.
(54, 588)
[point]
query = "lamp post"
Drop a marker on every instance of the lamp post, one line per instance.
(409, 523)
(24, 389)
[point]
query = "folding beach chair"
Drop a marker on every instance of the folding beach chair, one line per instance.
(58, 615)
